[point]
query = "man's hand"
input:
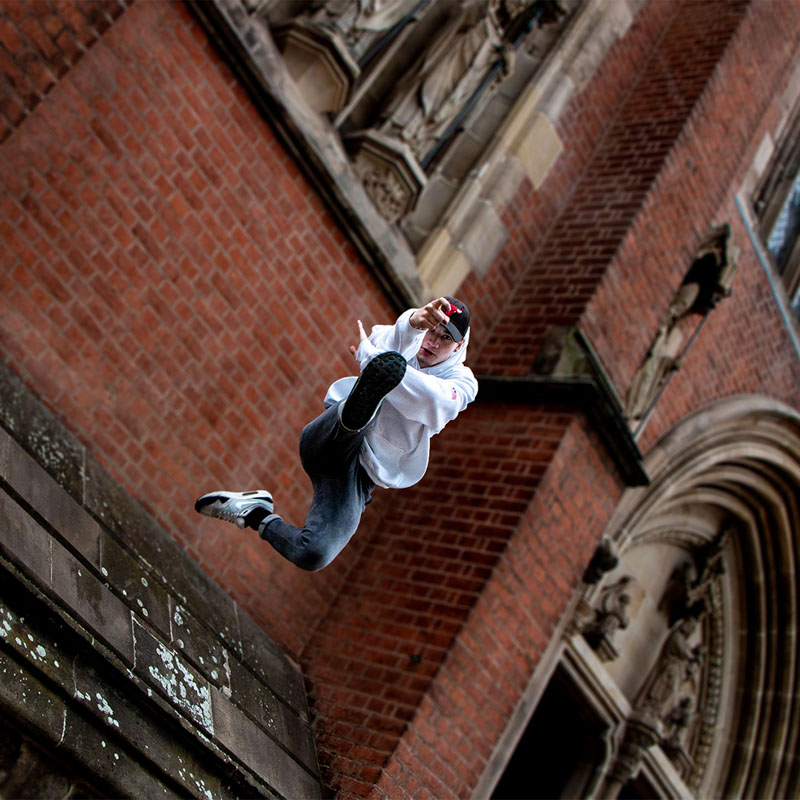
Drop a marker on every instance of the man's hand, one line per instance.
(361, 336)
(430, 315)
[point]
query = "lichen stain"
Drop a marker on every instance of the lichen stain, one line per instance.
(182, 689)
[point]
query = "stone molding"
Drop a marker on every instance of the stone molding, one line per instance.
(525, 146)
(120, 657)
(568, 371)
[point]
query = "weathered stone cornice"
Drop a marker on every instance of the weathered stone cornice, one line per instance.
(569, 373)
(117, 650)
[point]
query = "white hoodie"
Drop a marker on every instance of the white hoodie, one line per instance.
(396, 446)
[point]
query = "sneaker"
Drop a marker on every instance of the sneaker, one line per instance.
(377, 379)
(234, 506)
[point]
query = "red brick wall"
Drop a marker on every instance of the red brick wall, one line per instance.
(39, 41)
(162, 257)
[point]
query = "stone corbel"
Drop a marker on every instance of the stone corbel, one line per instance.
(612, 614)
(319, 63)
(390, 174)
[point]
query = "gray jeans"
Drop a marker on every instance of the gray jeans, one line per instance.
(329, 454)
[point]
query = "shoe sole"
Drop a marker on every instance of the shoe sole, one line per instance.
(379, 377)
(209, 499)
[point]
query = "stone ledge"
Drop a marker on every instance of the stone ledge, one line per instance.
(568, 372)
(192, 668)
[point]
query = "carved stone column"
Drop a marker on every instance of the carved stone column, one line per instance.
(641, 733)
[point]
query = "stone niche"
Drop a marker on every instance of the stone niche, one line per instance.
(125, 670)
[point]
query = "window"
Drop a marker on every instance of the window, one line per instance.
(778, 207)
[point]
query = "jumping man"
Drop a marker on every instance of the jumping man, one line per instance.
(375, 431)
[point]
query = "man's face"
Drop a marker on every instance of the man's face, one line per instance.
(437, 346)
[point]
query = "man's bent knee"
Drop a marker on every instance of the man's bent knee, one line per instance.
(313, 560)
(311, 557)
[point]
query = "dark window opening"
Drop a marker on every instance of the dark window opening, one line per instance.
(560, 751)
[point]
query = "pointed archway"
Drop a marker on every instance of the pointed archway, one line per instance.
(682, 655)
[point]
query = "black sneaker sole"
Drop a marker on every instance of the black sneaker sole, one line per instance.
(379, 377)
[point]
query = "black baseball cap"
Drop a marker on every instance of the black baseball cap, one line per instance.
(459, 322)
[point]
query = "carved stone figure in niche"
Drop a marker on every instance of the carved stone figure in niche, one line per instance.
(455, 65)
(677, 723)
(686, 592)
(663, 355)
(710, 561)
(677, 667)
(706, 283)
(358, 22)
(675, 600)
(611, 615)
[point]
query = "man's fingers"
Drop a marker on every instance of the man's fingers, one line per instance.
(437, 315)
(432, 313)
(440, 303)
(362, 335)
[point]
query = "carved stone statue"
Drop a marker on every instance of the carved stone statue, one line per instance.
(677, 666)
(663, 355)
(677, 723)
(705, 284)
(687, 592)
(677, 593)
(357, 21)
(611, 615)
(455, 65)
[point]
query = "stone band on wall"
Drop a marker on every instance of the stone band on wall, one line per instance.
(120, 657)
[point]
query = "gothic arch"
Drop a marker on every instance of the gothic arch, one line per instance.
(683, 646)
(734, 467)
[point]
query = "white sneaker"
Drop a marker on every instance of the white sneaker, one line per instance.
(233, 506)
